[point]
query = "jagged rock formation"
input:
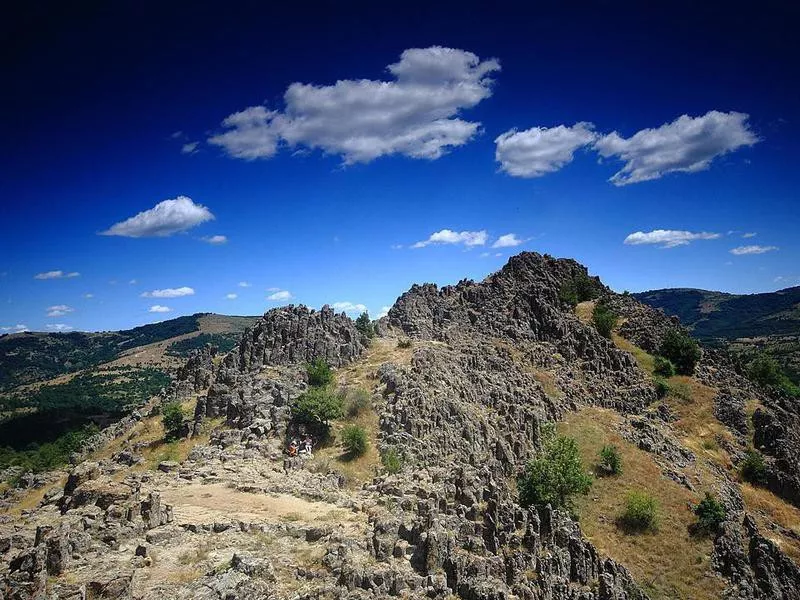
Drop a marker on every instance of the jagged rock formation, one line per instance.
(492, 362)
(284, 337)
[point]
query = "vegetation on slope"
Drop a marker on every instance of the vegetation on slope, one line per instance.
(30, 357)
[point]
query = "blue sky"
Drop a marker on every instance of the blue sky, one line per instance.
(455, 128)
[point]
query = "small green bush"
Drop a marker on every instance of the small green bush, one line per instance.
(172, 417)
(404, 343)
(319, 373)
(662, 388)
(753, 468)
(391, 461)
(354, 440)
(555, 476)
(663, 367)
(578, 289)
(611, 460)
(364, 325)
(710, 514)
(318, 406)
(604, 320)
(356, 402)
(641, 512)
(681, 350)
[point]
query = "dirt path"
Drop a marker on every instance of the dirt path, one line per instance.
(197, 503)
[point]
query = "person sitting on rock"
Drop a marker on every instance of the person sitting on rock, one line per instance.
(293, 448)
(307, 445)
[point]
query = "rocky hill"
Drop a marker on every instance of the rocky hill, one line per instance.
(747, 322)
(463, 386)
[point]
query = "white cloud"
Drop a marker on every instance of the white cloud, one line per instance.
(164, 219)
(396, 246)
(384, 312)
(508, 240)
(742, 250)
(749, 235)
(231, 296)
(157, 308)
(132, 282)
(88, 296)
(414, 114)
(349, 307)
(688, 144)
(448, 236)
(668, 238)
(59, 310)
(169, 293)
(18, 328)
(56, 275)
(280, 296)
(245, 284)
(216, 240)
(189, 148)
(541, 150)
(59, 327)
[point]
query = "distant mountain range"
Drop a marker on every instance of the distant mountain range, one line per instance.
(769, 321)
(33, 357)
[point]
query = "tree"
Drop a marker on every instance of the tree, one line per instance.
(682, 350)
(318, 406)
(753, 468)
(172, 417)
(611, 460)
(604, 320)
(641, 512)
(578, 289)
(364, 325)
(555, 476)
(663, 367)
(710, 514)
(319, 373)
(354, 440)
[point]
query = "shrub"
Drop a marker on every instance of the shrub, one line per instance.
(604, 320)
(404, 343)
(364, 325)
(356, 402)
(663, 367)
(710, 514)
(318, 406)
(391, 461)
(578, 289)
(766, 372)
(555, 476)
(354, 440)
(319, 373)
(641, 512)
(610, 460)
(682, 350)
(753, 468)
(662, 388)
(172, 417)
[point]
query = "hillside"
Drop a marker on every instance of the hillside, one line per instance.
(465, 399)
(748, 322)
(32, 357)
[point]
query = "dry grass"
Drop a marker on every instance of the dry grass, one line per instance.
(356, 470)
(30, 499)
(584, 311)
(764, 505)
(693, 404)
(644, 359)
(669, 563)
(548, 382)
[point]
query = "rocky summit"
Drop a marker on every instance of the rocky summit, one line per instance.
(460, 388)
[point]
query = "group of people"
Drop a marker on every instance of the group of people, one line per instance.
(301, 448)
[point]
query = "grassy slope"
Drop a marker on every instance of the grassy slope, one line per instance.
(670, 563)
